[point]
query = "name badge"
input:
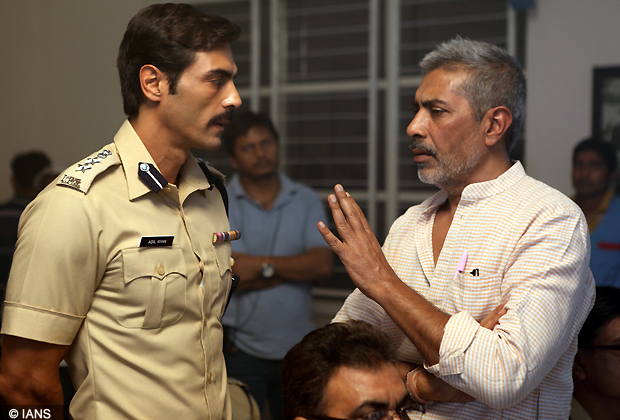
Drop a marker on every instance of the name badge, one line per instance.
(156, 240)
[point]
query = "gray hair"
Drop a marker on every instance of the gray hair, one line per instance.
(496, 78)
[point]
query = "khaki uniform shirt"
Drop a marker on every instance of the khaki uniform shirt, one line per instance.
(143, 322)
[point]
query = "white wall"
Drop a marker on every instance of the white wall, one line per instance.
(60, 92)
(59, 87)
(565, 40)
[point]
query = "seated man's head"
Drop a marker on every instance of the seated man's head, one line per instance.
(343, 371)
(596, 370)
(594, 167)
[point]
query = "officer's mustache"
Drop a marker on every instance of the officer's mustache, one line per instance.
(225, 117)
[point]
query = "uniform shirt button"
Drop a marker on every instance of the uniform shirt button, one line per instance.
(161, 270)
(209, 377)
(204, 320)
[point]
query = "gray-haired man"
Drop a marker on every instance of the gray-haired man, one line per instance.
(492, 235)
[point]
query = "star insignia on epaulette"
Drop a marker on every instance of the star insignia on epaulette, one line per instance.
(83, 168)
(88, 163)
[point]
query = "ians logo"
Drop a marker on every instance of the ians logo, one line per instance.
(31, 413)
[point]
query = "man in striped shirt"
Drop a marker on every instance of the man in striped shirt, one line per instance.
(492, 241)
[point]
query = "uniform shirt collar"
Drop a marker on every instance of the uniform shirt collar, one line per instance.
(132, 152)
(191, 177)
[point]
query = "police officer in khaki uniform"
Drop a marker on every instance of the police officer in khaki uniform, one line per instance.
(117, 269)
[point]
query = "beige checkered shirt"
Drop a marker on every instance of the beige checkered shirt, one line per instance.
(527, 245)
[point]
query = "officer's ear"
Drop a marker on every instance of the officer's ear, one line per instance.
(153, 82)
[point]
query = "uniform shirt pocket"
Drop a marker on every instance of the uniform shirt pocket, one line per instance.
(153, 291)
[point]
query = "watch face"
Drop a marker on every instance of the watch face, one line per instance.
(267, 271)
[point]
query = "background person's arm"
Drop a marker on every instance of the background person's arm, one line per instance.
(315, 265)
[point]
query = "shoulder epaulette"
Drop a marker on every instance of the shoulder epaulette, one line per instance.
(216, 178)
(81, 175)
(214, 171)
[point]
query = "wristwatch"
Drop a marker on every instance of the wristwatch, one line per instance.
(268, 270)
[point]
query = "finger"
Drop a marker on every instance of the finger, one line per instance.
(352, 211)
(492, 319)
(340, 220)
(501, 310)
(356, 209)
(334, 243)
(362, 216)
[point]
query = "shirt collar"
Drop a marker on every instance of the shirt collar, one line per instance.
(191, 177)
(481, 190)
(288, 189)
(594, 219)
(132, 152)
(606, 201)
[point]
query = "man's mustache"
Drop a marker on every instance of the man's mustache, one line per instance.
(418, 144)
(222, 116)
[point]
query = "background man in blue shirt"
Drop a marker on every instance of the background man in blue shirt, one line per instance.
(594, 172)
(280, 254)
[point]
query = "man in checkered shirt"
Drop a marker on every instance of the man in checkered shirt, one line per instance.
(492, 243)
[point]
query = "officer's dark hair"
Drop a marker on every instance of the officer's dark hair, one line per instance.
(606, 309)
(166, 36)
(309, 365)
(603, 148)
(26, 167)
(240, 124)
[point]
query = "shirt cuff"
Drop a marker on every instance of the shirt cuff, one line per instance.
(458, 335)
(39, 324)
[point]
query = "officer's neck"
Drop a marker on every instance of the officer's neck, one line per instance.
(161, 146)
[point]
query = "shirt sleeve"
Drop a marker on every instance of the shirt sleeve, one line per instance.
(54, 270)
(550, 291)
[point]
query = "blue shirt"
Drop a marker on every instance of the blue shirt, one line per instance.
(605, 254)
(267, 323)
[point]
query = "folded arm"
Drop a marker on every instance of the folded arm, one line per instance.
(315, 265)
(430, 387)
